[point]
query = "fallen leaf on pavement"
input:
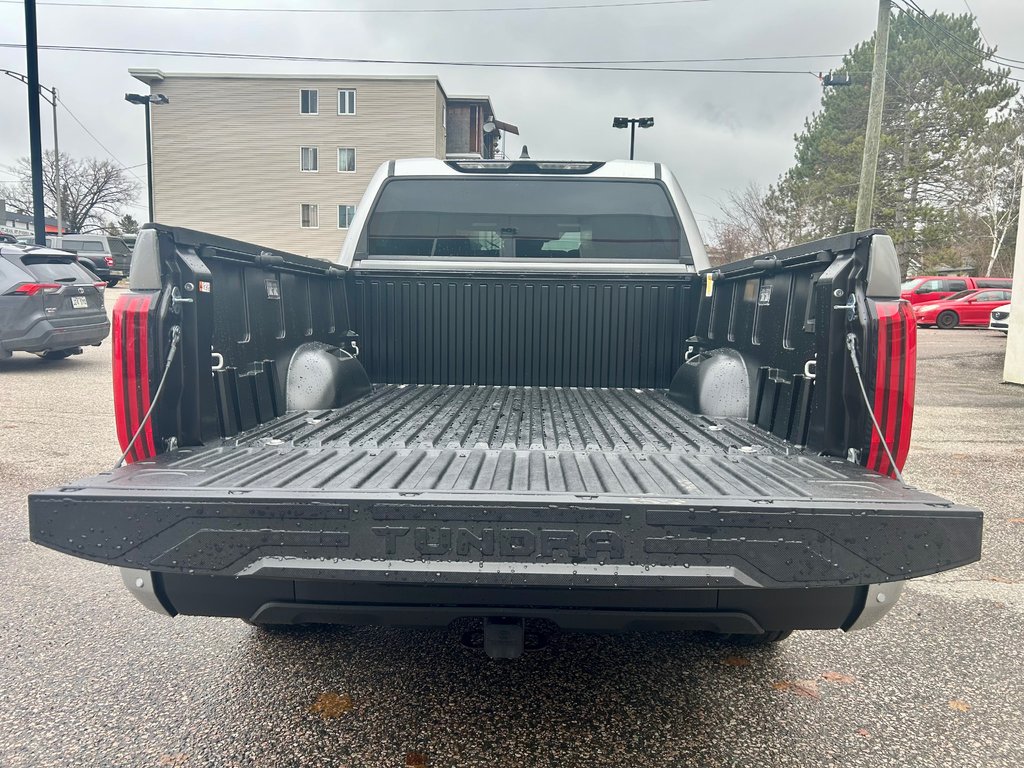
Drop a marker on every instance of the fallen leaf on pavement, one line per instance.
(331, 705)
(1001, 580)
(863, 732)
(736, 661)
(175, 759)
(959, 706)
(415, 760)
(1017, 519)
(838, 677)
(806, 688)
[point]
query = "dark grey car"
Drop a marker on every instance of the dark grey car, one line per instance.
(49, 304)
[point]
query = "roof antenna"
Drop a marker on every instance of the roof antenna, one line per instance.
(525, 155)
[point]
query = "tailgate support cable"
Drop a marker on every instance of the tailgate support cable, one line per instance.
(851, 344)
(175, 340)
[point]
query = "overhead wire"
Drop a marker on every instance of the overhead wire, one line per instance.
(912, 8)
(980, 30)
(912, 13)
(307, 10)
(94, 138)
(405, 62)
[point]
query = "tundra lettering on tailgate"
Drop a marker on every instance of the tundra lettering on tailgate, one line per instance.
(504, 542)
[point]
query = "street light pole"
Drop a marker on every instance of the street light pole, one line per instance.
(34, 123)
(632, 122)
(149, 164)
(145, 101)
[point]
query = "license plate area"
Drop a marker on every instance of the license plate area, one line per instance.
(80, 302)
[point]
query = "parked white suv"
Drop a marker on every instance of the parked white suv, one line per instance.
(999, 319)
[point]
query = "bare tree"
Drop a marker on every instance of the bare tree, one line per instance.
(751, 224)
(993, 170)
(91, 190)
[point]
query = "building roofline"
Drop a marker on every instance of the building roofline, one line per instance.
(150, 76)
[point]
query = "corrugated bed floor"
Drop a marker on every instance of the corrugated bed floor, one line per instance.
(528, 439)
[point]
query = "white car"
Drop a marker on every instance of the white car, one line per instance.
(999, 319)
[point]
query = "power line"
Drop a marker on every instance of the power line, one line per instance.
(93, 137)
(971, 11)
(406, 62)
(256, 9)
(939, 44)
(967, 46)
(911, 10)
(681, 61)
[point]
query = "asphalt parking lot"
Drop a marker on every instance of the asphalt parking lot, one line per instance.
(89, 678)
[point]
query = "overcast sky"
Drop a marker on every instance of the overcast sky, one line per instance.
(716, 131)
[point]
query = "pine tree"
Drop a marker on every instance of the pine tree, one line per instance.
(941, 93)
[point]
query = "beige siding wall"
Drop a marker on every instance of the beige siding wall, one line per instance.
(442, 137)
(226, 152)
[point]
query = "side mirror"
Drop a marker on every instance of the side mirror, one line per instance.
(922, 289)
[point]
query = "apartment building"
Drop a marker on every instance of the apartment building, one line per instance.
(282, 160)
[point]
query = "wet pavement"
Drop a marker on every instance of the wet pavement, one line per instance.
(88, 677)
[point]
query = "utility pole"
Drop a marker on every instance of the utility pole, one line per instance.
(34, 123)
(1013, 364)
(869, 164)
(52, 101)
(56, 166)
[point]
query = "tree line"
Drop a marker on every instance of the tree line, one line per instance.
(949, 169)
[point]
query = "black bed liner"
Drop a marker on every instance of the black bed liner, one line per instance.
(509, 485)
(522, 439)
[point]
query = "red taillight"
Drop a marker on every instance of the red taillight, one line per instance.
(100, 286)
(108, 260)
(895, 377)
(130, 336)
(31, 289)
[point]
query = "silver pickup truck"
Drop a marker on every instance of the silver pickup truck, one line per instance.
(520, 393)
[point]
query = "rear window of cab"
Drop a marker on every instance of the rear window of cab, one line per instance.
(517, 218)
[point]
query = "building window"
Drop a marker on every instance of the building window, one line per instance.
(309, 101)
(346, 159)
(345, 215)
(346, 101)
(309, 214)
(308, 159)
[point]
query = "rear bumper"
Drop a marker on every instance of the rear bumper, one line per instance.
(564, 543)
(46, 335)
(740, 611)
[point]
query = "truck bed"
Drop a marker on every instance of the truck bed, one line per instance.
(509, 485)
(533, 440)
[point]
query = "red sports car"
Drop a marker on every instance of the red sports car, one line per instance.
(964, 308)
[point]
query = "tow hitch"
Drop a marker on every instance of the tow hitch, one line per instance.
(504, 638)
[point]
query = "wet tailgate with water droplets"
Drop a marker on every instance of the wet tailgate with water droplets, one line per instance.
(510, 485)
